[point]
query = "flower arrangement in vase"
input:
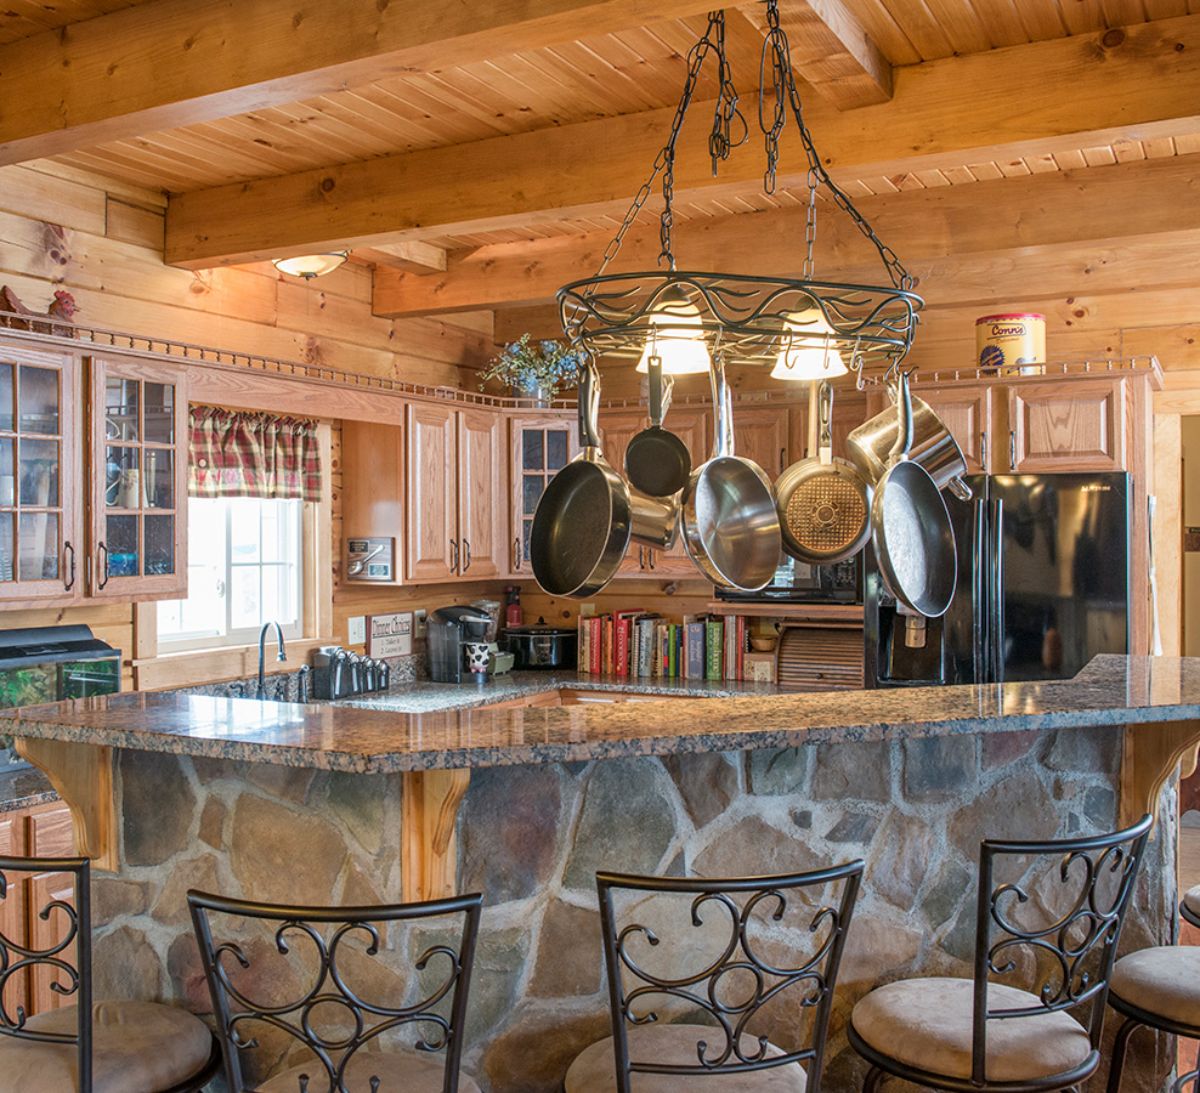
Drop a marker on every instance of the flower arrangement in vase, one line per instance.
(537, 370)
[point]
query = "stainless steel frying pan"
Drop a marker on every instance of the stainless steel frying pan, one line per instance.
(582, 524)
(729, 521)
(910, 527)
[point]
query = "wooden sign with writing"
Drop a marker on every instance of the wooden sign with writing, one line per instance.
(389, 635)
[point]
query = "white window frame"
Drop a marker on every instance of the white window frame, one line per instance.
(233, 638)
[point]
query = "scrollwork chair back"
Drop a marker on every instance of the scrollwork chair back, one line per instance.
(708, 993)
(300, 1017)
(1070, 943)
(20, 959)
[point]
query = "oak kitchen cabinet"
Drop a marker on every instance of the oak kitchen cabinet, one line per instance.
(457, 520)
(539, 446)
(42, 831)
(138, 476)
(119, 472)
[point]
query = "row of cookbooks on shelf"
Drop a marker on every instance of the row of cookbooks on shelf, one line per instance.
(639, 644)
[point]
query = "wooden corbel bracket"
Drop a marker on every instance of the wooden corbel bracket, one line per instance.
(1151, 754)
(429, 815)
(82, 774)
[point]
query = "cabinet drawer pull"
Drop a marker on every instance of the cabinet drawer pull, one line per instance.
(466, 548)
(69, 551)
(102, 550)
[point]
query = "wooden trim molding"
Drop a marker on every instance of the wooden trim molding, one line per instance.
(83, 776)
(429, 816)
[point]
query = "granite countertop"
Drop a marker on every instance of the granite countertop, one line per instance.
(432, 697)
(23, 789)
(1112, 690)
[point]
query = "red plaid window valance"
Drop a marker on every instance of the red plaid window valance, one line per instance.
(252, 455)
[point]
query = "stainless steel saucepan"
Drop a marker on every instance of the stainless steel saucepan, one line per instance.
(582, 524)
(870, 446)
(729, 521)
(910, 526)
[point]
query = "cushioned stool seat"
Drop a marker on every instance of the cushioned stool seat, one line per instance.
(1191, 900)
(594, 1071)
(398, 1072)
(137, 1047)
(1163, 982)
(926, 1024)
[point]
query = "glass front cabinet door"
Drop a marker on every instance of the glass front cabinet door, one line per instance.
(39, 480)
(541, 447)
(138, 547)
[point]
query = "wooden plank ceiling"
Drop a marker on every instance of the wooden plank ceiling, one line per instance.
(630, 71)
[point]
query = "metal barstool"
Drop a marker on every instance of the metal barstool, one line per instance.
(91, 1047)
(1159, 988)
(339, 1028)
(974, 1035)
(718, 1045)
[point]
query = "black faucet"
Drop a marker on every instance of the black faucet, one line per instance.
(262, 645)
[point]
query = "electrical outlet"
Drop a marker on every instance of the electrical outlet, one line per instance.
(356, 630)
(419, 623)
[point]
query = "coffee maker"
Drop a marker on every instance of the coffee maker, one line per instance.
(449, 629)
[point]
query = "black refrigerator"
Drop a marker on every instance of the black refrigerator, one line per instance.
(1043, 586)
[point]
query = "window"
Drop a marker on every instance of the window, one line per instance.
(244, 569)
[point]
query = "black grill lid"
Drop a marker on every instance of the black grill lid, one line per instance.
(50, 644)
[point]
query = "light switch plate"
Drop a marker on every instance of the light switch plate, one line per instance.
(356, 630)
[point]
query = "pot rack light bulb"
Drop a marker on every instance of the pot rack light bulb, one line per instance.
(677, 337)
(807, 353)
(309, 266)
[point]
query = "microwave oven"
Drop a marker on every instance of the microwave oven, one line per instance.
(799, 582)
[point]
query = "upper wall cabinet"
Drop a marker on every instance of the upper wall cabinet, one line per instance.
(539, 446)
(457, 518)
(138, 477)
(40, 546)
(1076, 425)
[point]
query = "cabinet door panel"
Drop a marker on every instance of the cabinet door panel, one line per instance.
(540, 447)
(138, 466)
(44, 889)
(761, 434)
(692, 427)
(13, 922)
(431, 540)
(40, 473)
(1077, 425)
(617, 429)
(967, 413)
(481, 523)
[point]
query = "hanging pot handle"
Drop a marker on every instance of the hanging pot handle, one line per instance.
(660, 390)
(722, 409)
(589, 406)
(825, 411)
(904, 436)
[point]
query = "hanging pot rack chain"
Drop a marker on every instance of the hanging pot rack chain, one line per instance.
(720, 142)
(784, 79)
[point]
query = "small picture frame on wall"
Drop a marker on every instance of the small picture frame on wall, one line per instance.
(389, 635)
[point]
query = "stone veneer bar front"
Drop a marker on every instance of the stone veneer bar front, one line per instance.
(280, 802)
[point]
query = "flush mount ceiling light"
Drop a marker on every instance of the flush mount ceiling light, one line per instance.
(801, 328)
(309, 266)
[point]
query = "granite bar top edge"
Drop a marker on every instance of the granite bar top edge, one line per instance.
(21, 789)
(356, 740)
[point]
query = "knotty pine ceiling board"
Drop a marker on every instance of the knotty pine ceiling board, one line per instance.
(24, 18)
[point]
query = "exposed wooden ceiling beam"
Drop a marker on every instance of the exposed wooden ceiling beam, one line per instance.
(1142, 82)
(832, 51)
(169, 63)
(412, 257)
(1064, 209)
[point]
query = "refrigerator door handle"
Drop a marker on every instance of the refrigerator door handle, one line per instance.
(996, 591)
(979, 591)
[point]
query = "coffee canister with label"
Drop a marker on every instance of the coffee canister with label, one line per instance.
(1010, 341)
